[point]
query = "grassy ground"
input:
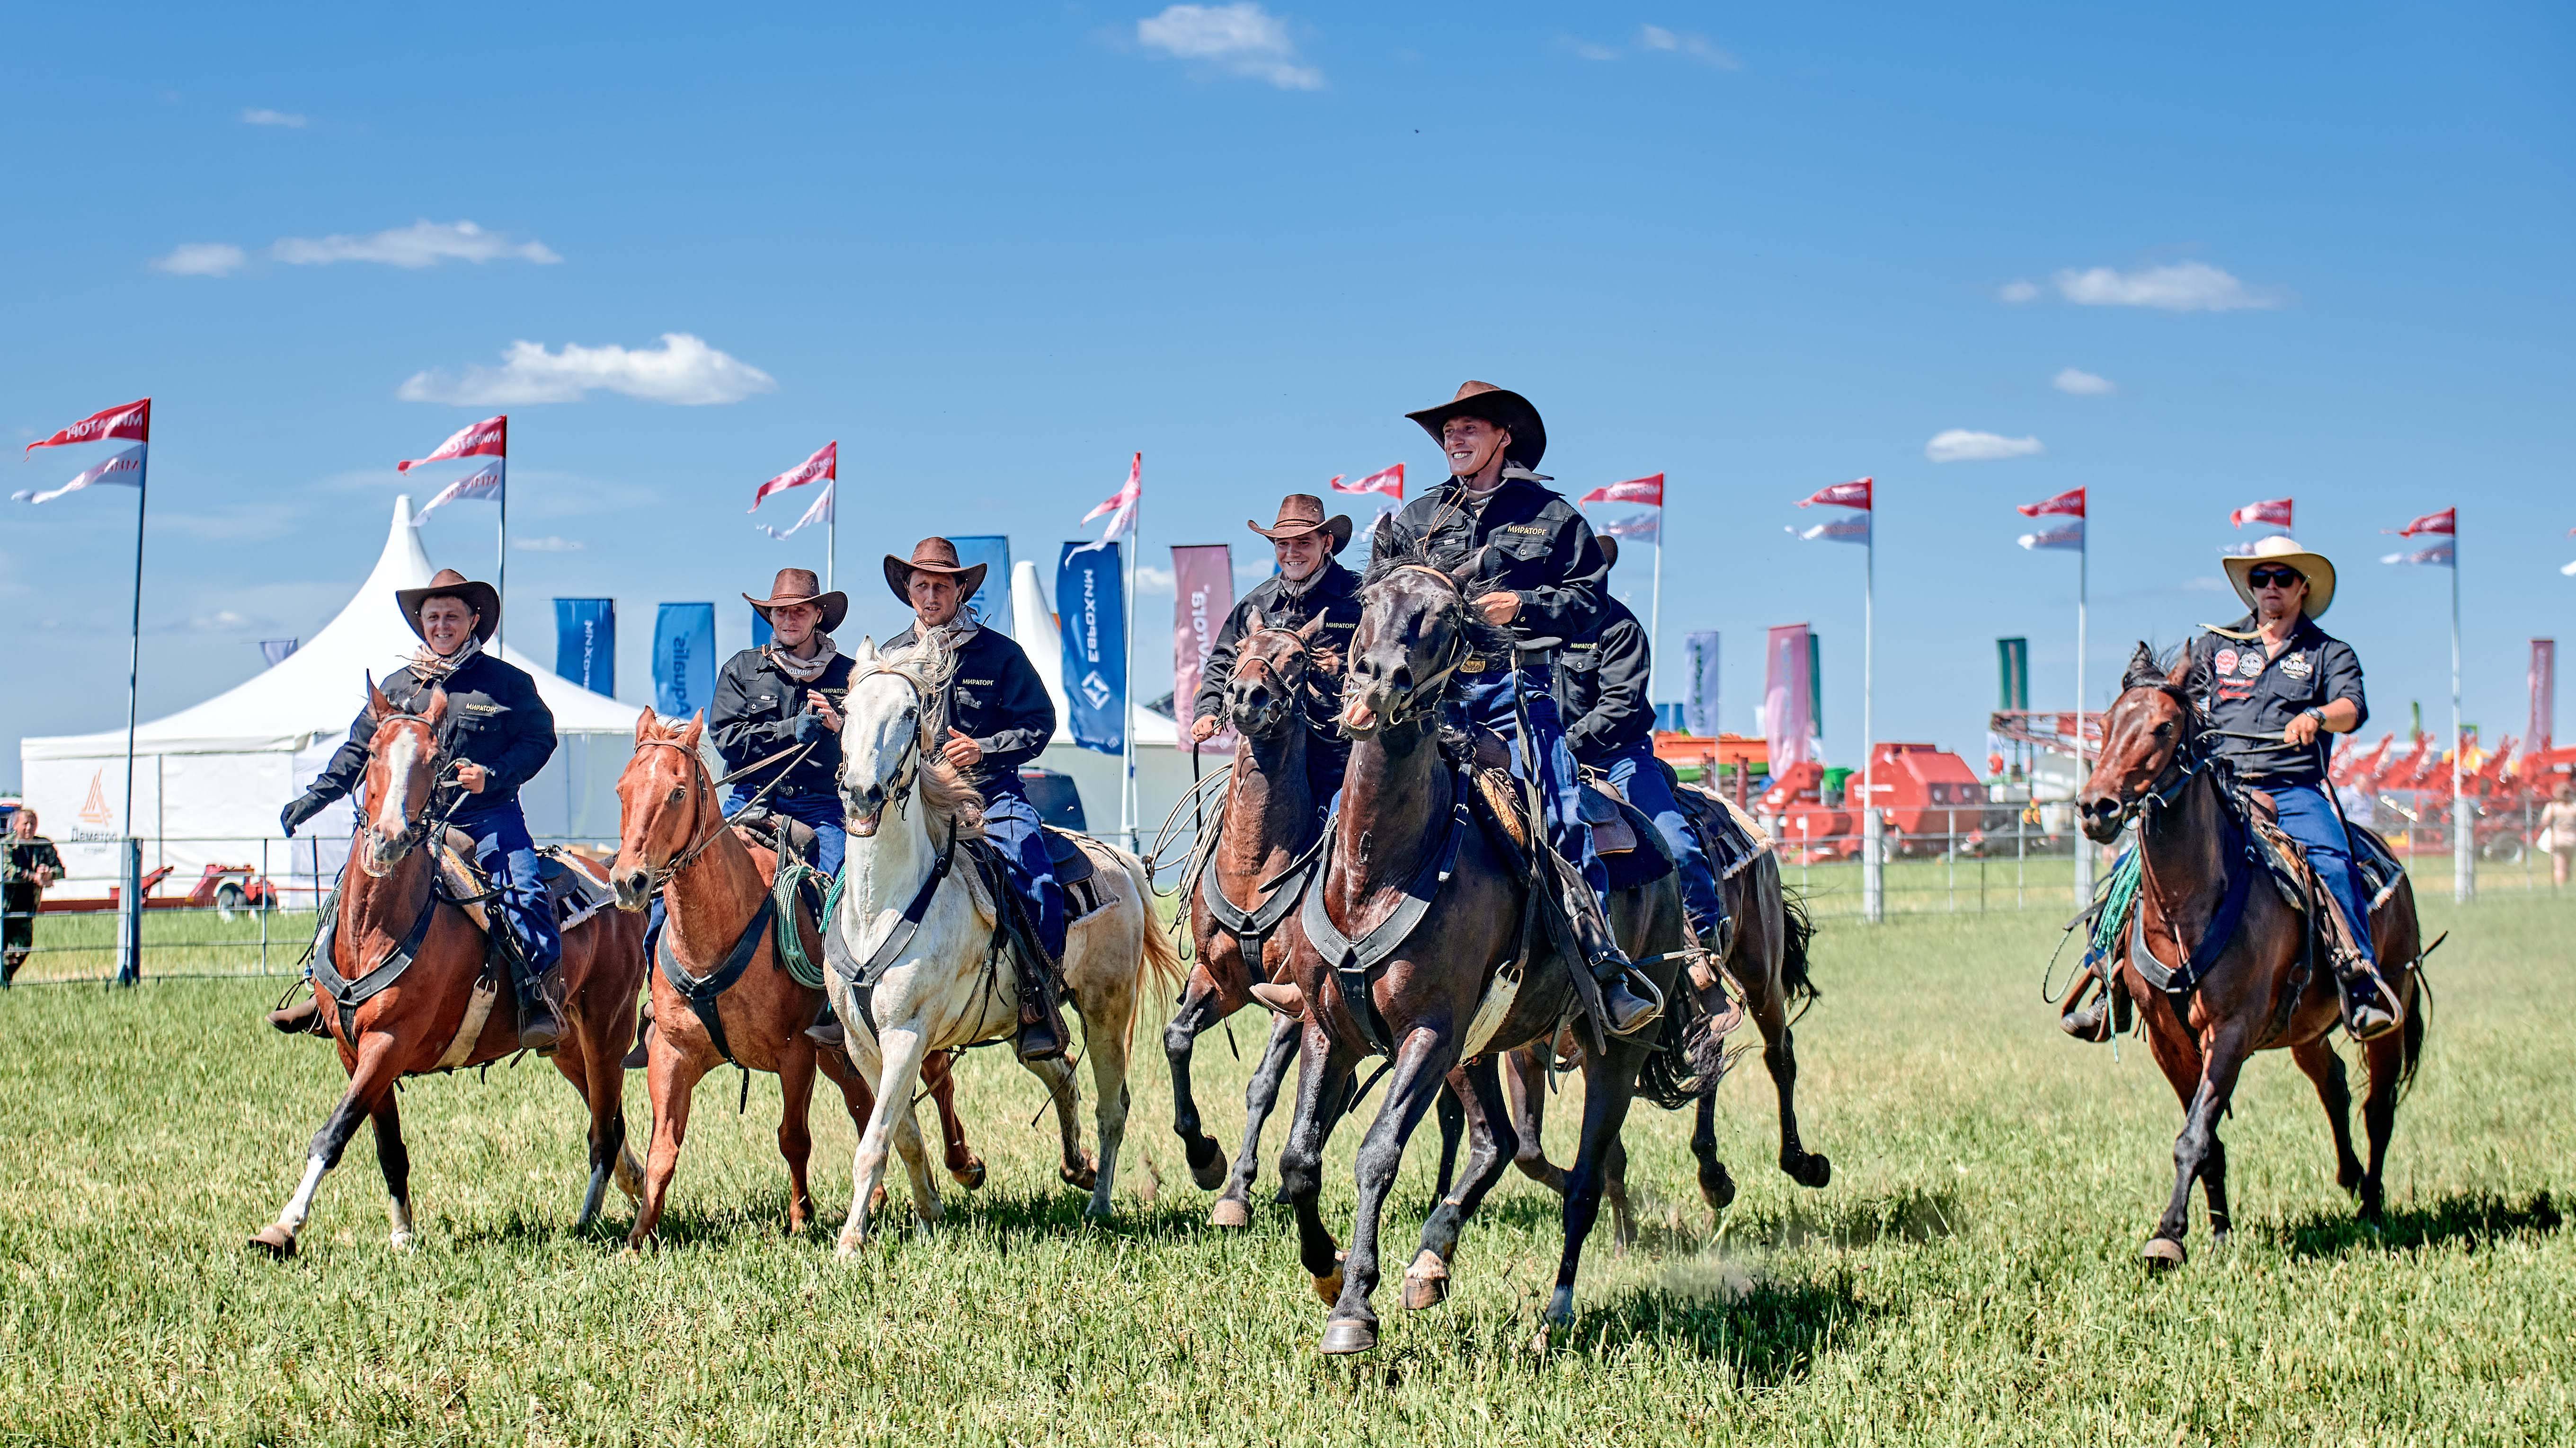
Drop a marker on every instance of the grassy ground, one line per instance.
(1969, 1276)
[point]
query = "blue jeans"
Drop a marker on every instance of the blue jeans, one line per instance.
(1637, 774)
(509, 859)
(1011, 823)
(2309, 817)
(825, 814)
(1487, 699)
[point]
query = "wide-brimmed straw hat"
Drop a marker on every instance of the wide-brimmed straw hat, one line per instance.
(932, 555)
(483, 598)
(799, 585)
(1503, 408)
(2319, 573)
(1301, 514)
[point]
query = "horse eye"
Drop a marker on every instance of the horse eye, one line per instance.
(676, 792)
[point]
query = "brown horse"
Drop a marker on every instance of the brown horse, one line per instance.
(672, 830)
(2261, 991)
(1247, 890)
(1433, 914)
(394, 1019)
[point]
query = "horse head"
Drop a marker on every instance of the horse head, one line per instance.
(2144, 733)
(1273, 669)
(891, 726)
(403, 758)
(665, 806)
(1415, 630)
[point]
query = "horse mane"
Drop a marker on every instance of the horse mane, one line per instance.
(1482, 637)
(929, 664)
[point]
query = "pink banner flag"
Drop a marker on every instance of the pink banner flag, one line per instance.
(483, 482)
(2445, 523)
(1121, 505)
(1647, 490)
(819, 512)
(1389, 481)
(1638, 527)
(2544, 696)
(2444, 554)
(2069, 503)
(125, 470)
(489, 438)
(1788, 725)
(130, 423)
(1854, 494)
(824, 464)
(2274, 512)
(1202, 596)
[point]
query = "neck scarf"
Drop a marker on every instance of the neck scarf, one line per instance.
(803, 671)
(428, 667)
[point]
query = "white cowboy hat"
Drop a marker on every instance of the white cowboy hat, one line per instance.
(2277, 549)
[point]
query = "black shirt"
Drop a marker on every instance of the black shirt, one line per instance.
(494, 719)
(754, 717)
(1334, 594)
(2241, 689)
(1524, 538)
(1603, 680)
(996, 699)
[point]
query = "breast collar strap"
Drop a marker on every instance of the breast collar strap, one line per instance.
(1354, 964)
(1253, 928)
(863, 975)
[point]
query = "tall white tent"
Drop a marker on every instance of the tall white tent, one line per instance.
(210, 780)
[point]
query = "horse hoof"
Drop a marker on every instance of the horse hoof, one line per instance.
(400, 1241)
(971, 1175)
(848, 1246)
(1717, 1188)
(1426, 1282)
(2164, 1253)
(1812, 1170)
(1083, 1177)
(1347, 1335)
(275, 1240)
(1229, 1213)
(1210, 1175)
(1560, 1308)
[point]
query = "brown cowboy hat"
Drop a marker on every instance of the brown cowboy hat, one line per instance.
(799, 585)
(1503, 408)
(480, 597)
(932, 555)
(1609, 550)
(1301, 514)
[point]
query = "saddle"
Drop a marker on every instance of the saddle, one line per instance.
(574, 892)
(778, 833)
(1616, 827)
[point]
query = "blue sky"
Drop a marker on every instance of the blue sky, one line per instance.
(2315, 251)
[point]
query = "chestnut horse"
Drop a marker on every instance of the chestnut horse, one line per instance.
(1247, 889)
(1435, 914)
(411, 1018)
(672, 832)
(2259, 992)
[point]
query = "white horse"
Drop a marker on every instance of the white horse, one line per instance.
(907, 808)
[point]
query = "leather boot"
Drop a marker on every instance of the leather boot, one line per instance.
(541, 1012)
(2086, 1021)
(303, 1018)
(640, 1055)
(826, 1031)
(1041, 1023)
(1625, 1011)
(2368, 1004)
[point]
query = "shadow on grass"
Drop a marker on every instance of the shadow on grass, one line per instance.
(2467, 1220)
(1008, 1217)
(1769, 1332)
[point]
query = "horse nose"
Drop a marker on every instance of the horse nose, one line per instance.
(630, 885)
(2100, 817)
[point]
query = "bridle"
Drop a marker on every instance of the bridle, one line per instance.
(908, 765)
(413, 831)
(1423, 698)
(1294, 694)
(699, 787)
(2186, 763)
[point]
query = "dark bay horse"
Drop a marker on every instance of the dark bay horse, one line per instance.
(1268, 818)
(1436, 914)
(417, 1017)
(714, 885)
(2258, 992)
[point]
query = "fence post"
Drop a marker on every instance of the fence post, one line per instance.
(129, 914)
(1873, 872)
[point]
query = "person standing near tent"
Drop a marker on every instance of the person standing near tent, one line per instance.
(29, 864)
(1311, 584)
(499, 734)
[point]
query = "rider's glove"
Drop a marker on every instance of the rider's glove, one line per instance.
(303, 807)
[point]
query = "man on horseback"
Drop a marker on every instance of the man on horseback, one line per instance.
(999, 717)
(1311, 583)
(1614, 732)
(499, 733)
(1494, 527)
(776, 719)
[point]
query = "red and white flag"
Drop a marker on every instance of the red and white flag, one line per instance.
(1648, 490)
(820, 512)
(483, 482)
(825, 463)
(489, 438)
(2445, 522)
(2272, 511)
(132, 422)
(125, 469)
(1854, 494)
(1389, 481)
(1121, 505)
(2069, 503)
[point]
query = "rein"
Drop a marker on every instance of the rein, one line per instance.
(1423, 699)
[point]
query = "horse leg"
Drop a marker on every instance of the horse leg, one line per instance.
(1453, 1130)
(1780, 1057)
(2386, 1058)
(1105, 1034)
(1324, 1074)
(1526, 1086)
(914, 1148)
(2197, 1149)
(795, 1131)
(396, 1162)
(1475, 1094)
(371, 1079)
(670, 1081)
(1609, 1083)
(1077, 1168)
(964, 1166)
(2318, 1059)
(1614, 1186)
(1234, 1206)
(855, 1097)
(600, 1077)
(1715, 1186)
(1421, 1062)
(1180, 1039)
(899, 1052)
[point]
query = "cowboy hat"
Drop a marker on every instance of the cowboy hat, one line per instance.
(1301, 514)
(2279, 549)
(1505, 409)
(799, 585)
(1609, 549)
(480, 597)
(932, 555)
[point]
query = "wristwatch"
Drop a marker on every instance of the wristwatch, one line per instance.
(2315, 712)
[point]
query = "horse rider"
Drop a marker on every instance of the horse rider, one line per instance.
(1493, 525)
(998, 718)
(1311, 583)
(777, 719)
(1604, 683)
(29, 864)
(499, 733)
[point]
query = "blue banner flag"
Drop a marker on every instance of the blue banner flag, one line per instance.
(1087, 598)
(586, 642)
(992, 601)
(1700, 709)
(684, 659)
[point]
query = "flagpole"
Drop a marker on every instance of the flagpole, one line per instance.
(2083, 587)
(1873, 885)
(501, 570)
(1127, 733)
(831, 533)
(1655, 614)
(129, 933)
(2464, 879)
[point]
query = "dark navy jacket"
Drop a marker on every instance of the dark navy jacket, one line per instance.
(1527, 539)
(996, 699)
(494, 719)
(1335, 594)
(754, 717)
(1603, 682)
(2238, 688)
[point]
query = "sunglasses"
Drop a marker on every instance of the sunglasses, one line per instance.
(2274, 577)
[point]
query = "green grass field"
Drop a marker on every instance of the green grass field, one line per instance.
(1969, 1276)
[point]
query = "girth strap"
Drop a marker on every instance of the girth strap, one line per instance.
(863, 975)
(2181, 980)
(701, 992)
(348, 994)
(1354, 963)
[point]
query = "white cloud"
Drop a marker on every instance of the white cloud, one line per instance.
(546, 545)
(1240, 39)
(261, 116)
(2018, 292)
(201, 259)
(1959, 445)
(684, 371)
(1588, 50)
(2190, 286)
(1697, 47)
(2082, 383)
(421, 244)
(1150, 579)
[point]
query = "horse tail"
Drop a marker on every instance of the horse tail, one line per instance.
(1159, 971)
(1798, 931)
(2410, 1035)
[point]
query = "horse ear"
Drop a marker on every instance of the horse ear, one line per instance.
(644, 726)
(379, 708)
(1253, 622)
(2143, 672)
(697, 726)
(1313, 630)
(437, 710)
(2180, 678)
